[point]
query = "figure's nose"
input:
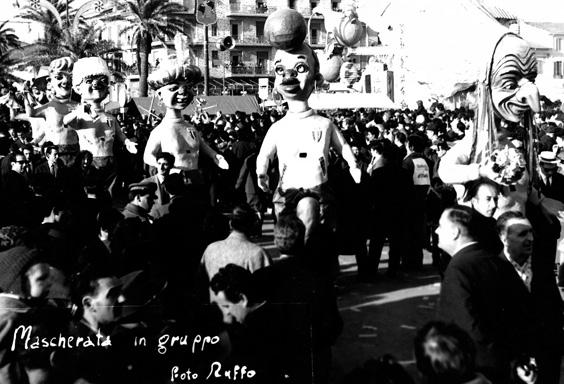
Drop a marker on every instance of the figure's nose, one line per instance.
(290, 72)
(529, 93)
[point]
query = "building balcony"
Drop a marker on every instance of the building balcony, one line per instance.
(307, 13)
(251, 41)
(249, 70)
(238, 9)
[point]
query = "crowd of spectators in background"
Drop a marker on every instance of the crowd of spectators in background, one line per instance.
(66, 235)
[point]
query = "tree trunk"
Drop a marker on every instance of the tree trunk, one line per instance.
(144, 50)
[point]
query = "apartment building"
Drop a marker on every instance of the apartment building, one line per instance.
(231, 71)
(240, 68)
(548, 41)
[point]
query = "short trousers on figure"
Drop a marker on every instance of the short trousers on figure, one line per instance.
(287, 201)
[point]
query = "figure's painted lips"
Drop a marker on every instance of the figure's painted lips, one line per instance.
(181, 99)
(290, 85)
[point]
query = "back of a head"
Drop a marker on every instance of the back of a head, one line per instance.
(444, 353)
(235, 281)
(243, 219)
(465, 218)
(416, 143)
(108, 218)
(174, 184)
(383, 147)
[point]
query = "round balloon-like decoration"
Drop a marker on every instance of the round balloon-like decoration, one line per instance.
(349, 31)
(329, 66)
(285, 29)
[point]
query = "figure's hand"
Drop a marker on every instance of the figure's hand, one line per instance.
(356, 174)
(486, 170)
(131, 146)
(221, 162)
(263, 183)
(528, 372)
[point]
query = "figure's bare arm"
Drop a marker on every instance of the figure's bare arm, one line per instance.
(152, 148)
(339, 143)
(206, 149)
(267, 152)
(218, 159)
(455, 168)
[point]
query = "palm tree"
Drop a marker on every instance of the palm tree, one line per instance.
(59, 41)
(8, 39)
(150, 20)
(7, 62)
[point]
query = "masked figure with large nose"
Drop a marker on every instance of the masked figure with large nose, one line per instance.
(301, 139)
(507, 97)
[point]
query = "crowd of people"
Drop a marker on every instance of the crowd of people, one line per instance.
(137, 251)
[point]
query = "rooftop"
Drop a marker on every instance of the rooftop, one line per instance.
(495, 11)
(553, 28)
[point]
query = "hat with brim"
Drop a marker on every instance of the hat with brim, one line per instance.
(548, 157)
(139, 289)
(143, 188)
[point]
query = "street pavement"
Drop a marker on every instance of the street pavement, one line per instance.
(379, 318)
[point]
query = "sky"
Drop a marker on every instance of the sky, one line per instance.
(529, 10)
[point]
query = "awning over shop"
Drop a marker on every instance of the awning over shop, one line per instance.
(350, 100)
(227, 105)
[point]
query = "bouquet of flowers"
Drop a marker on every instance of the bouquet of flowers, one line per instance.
(509, 164)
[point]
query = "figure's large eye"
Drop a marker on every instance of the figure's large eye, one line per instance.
(509, 85)
(302, 68)
(279, 70)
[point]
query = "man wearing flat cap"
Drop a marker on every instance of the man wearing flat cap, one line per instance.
(141, 199)
(172, 83)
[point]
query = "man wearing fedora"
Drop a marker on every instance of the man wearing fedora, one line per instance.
(551, 183)
(551, 186)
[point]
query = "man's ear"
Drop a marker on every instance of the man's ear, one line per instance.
(76, 88)
(503, 237)
(87, 302)
(244, 300)
(456, 232)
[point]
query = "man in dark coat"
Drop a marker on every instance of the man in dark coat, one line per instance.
(142, 197)
(468, 291)
(419, 168)
(532, 309)
(387, 190)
